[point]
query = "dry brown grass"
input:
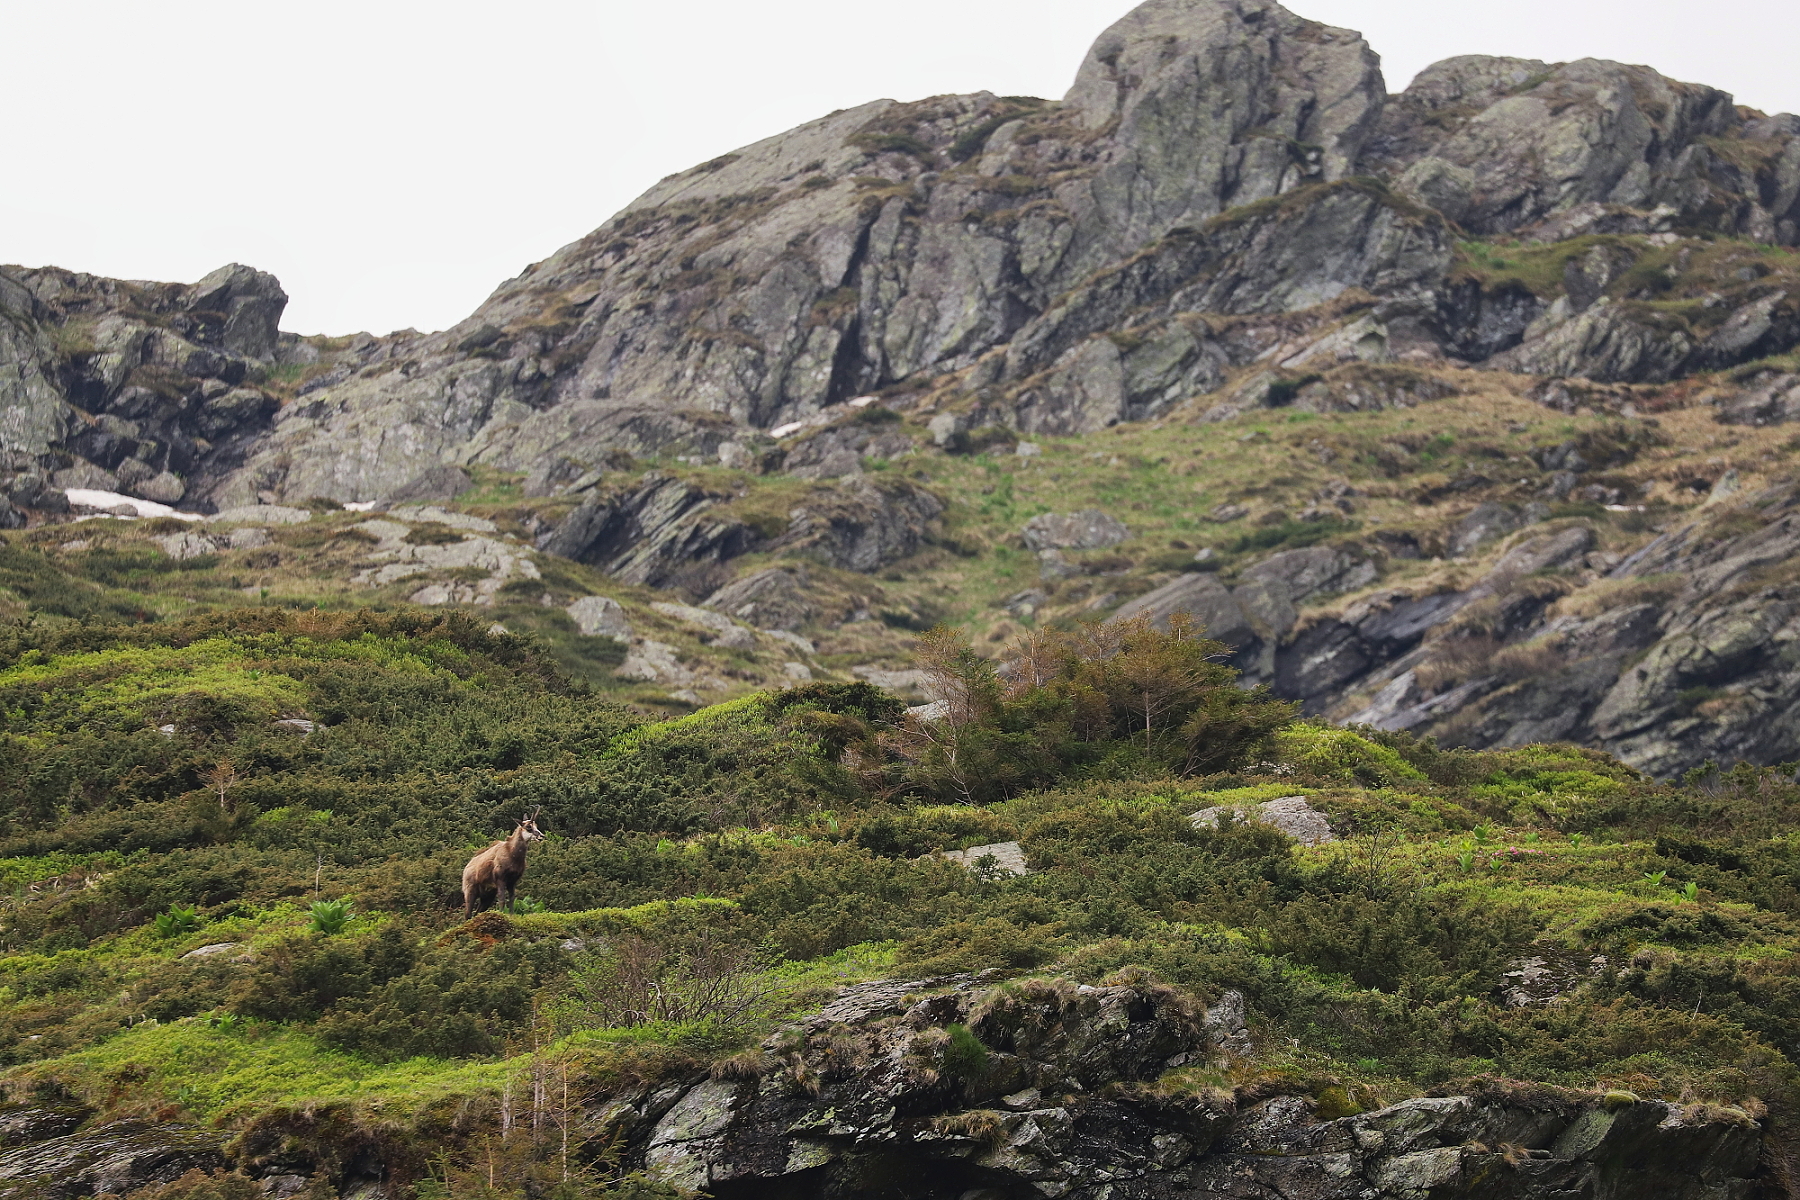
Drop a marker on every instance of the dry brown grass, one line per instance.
(746, 1064)
(1605, 595)
(982, 1125)
(1456, 660)
(1536, 657)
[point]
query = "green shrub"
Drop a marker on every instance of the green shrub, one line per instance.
(965, 1058)
(178, 920)
(1342, 756)
(328, 917)
(908, 833)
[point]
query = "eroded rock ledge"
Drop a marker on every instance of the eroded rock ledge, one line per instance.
(879, 1094)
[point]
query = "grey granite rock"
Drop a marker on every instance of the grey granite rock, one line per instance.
(1055, 1112)
(772, 598)
(601, 615)
(995, 860)
(1290, 814)
(1089, 529)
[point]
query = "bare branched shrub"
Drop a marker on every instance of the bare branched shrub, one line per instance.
(634, 981)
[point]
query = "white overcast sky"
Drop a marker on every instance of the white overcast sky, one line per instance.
(394, 160)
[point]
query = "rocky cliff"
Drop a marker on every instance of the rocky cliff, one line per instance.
(943, 1088)
(1226, 218)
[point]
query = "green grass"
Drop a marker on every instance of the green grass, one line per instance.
(222, 1074)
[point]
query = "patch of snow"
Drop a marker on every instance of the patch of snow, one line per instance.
(360, 506)
(95, 498)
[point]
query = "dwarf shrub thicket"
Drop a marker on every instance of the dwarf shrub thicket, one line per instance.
(151, 801)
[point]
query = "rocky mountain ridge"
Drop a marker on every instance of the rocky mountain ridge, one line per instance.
(1226, 221)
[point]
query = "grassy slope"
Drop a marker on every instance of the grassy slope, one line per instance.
(1375, 962)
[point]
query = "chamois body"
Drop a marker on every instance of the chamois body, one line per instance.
(493, 875)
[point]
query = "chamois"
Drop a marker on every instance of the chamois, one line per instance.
(495, 871)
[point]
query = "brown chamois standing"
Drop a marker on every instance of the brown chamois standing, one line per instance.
(495, 872)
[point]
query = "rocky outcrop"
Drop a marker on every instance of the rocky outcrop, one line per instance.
(653, 534)
(1063, 1090)
(1224, 181)
(669, 533)
(108, 1159)
(839, 451)
(938, 1088)
(1681, 656)
(1771, 399)
(1256, 617)
(1496, 144)
(1070, 263)
(1089, 529)
(773, 598)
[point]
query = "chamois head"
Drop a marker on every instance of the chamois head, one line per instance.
(528, 830)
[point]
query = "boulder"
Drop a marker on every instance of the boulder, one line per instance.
(187, 544)
(773, 598)
(248, 302)
(1089, 529)
(1772, 400)
(1290, 814)
(998, 859)
(1485, 522)
(1202, 597)
(601, 616)
(1314, 571)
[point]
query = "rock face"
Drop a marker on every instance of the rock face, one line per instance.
(669, 533)
(867, 1097)
(145, 388)
(1219, 177)
(1683, 657)
(1226, 211)
(1257, 616)
(116, 1158)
